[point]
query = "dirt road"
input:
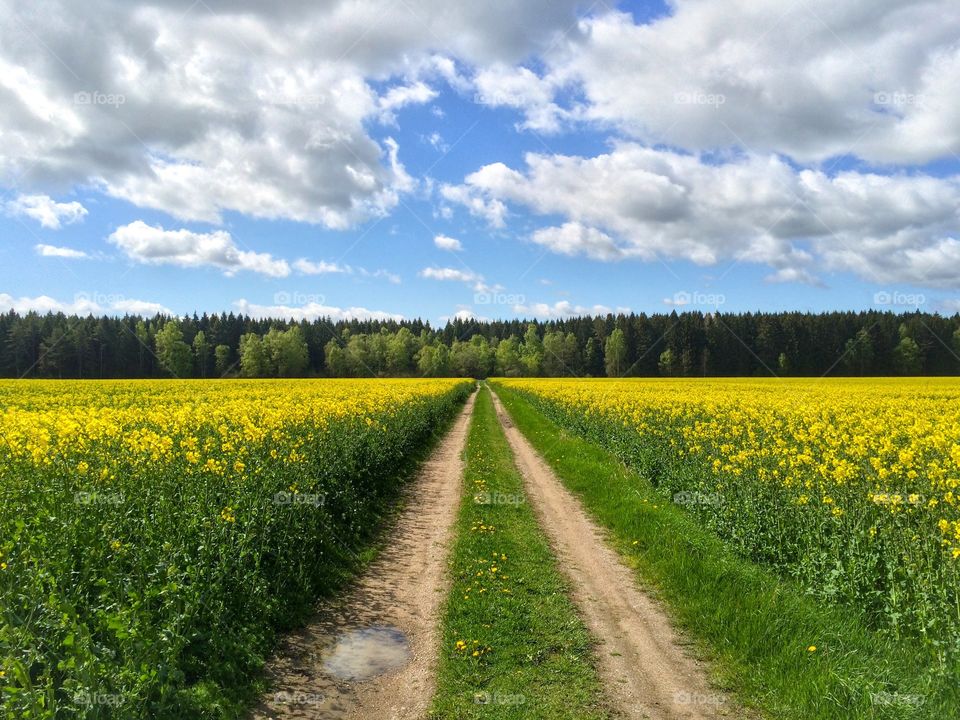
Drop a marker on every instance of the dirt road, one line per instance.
(645, 669)
(388, 622)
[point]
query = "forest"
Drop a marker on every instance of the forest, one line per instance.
(687, 344)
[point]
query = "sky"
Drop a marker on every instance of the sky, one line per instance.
(509, 159)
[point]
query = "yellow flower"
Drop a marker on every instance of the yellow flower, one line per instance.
(812, 648)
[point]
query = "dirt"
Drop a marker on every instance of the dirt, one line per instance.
(645, 663)
(373, 653)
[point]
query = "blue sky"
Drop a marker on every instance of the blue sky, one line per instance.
(570, 158)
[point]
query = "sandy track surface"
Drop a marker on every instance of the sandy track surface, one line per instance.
(642, 659)
(404, 588)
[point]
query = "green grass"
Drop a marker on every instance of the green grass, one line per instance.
(525, 652)
(756, 627)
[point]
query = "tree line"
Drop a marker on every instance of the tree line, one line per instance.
(675, 344)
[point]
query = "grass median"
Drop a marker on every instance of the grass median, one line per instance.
(513, 644)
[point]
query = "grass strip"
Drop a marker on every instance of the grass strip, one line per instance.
(774, 647)
(513, 644)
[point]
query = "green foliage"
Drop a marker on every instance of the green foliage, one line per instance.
(152, 592)
(615, 353)
(253, 357)
(908, 357)
(715, 344)
(667, 363)
(201, 349)
(532, 352)
(172, 352)
(286, 353)
(756, 625)
(509, 363)
(223, 359)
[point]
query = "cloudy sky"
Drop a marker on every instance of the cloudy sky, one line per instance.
(513, 158)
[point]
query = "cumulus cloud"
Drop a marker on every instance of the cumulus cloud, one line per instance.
(308, 267)
(147, 244)
(519, 87)
(390, 277)
(445, 242)
(490, 209)
(812, 80)
(574, 238)
(434, 273)
(757, 209)
(82, 304)
(463, 312)
(400, 96)
(197, 109)
(46, 211)
(60, 252)
(564, 309)
(312, 311)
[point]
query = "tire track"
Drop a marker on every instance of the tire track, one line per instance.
(642, 661)
(403, 589)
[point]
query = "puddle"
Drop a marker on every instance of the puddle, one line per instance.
(364, 653)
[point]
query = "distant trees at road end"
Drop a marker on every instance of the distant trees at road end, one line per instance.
(678, 344)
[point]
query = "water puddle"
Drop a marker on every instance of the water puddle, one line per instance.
(365, 653)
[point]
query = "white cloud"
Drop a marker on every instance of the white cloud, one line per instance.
(756, 209)
(256, 109)
(400, 96)
(574, 238)
(564, 309)
(793, 274)
(445, 242)
(60, 252)
(490, 209)
(49, 213)
(390, 277)
(519, 87)
(82, 304)
(139, 307)
(308, 267)
(311, 311)
(433, 273)
(437, 142)
(812, 80)
(464, 312)
(156, 246)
